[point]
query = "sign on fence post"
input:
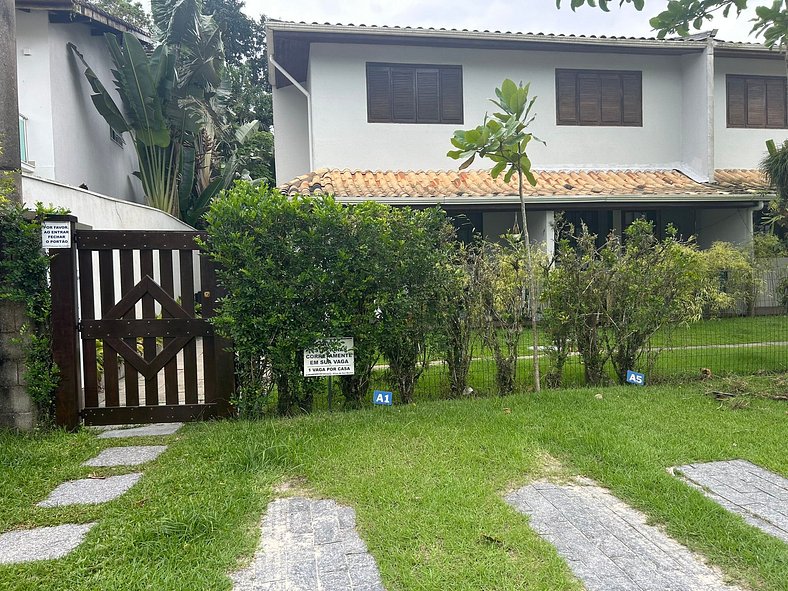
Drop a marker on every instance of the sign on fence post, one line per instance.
(334, 358)
(56, 234)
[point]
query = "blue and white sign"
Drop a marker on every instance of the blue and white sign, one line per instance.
(636, 378)
(382, 397)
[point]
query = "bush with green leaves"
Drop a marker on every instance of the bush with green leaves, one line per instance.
(301, 270)
(24, 279)
(611, 299)
(735, 271)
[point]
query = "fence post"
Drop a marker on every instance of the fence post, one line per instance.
(65, 317)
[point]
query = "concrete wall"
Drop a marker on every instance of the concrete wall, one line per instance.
(697, 115)
(291, 135)
(741, 148)
(68, 140)
(99, 211)
(726, 225)
(17, 410)
(540, 226)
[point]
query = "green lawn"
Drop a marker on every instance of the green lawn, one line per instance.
(425, 480)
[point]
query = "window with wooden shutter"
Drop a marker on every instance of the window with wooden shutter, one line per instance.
(757, 102)
(405, 93)
(598, 97)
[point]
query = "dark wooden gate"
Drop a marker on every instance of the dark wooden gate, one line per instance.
(148, 352)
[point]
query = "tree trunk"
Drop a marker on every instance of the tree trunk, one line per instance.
(531, 282)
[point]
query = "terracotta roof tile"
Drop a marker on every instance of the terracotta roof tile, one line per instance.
(478, 183)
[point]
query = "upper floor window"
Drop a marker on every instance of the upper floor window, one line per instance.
(405, 93)
(599, 97)
(756, 101)
(23, 150)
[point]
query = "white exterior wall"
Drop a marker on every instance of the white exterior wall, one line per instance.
(35, 97)
(68, 140)
(697, 115)
(291, 133)
(99, 211)
(344, 139)
(541, 229)
(741, 148)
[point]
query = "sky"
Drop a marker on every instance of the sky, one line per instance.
(497, 15)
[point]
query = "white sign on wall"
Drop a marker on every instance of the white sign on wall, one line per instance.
(335, 358)
(56, 235)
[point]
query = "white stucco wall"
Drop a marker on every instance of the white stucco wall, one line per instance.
(741, 148)
(697, 115)
(99, 211)
(84, 152)
(540, 226)
(725, 225)
(35, 98)
(343, 138)
(291, 133)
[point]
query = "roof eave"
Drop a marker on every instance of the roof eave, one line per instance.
(88, 11)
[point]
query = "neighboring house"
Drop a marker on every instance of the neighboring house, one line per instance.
(672, 130)
(63, 138)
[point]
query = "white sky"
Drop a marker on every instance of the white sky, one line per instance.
(503, 15)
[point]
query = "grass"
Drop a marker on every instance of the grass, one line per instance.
(425, 480)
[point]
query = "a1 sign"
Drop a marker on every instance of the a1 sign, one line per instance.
(382, 397)
(636, 378)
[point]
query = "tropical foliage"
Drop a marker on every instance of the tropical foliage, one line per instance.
(503, 138)
(173, 104)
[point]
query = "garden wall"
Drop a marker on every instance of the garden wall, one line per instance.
(16, 408)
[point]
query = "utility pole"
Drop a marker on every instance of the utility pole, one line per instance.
(9, 102)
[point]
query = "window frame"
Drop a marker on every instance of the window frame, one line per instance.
(745, 78)
(414, 68)
(599, 73)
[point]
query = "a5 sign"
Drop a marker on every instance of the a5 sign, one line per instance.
(382, 397)
(636, 378)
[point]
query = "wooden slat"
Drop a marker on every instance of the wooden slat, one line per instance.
(775, 103)
(86, 295)
(378, 93)
(128, 329)
(149, 414)
(107, 289)
(588, 99)
(403, 94)
(566, 97)
(126, 283)
(756, 102)
(149, 343)
(190, 350)
(451, 95)
(208, 281)
(137, 240)
(171, 369)
(736, 103)
(428, 95)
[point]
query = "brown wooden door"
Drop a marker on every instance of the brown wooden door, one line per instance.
(149, 353)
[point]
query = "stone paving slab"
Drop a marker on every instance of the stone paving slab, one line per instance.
(607, 544)
(90, 491)
(41, 543)
(145, 431)
(132, 455)
(309, 545)
(759, 496)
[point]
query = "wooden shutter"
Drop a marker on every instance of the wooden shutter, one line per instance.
(566, 97)
(428, 109)
(632, 91)
(756, 102)
(610, 100)
(378, 94)
(737, 113)
(775, 103)
(451, 95)
(403, 93)
(588, 99)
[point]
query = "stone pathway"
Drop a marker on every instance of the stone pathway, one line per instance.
(607, 544)
(152, 430)
(41, 543)
(309, 545)
(46, 543)
(132, 455)
(759, 496)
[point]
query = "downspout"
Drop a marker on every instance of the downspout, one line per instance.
(304, 91)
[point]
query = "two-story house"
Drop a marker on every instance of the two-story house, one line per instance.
(672, 130)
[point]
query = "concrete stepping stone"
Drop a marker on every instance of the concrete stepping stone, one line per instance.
(759, 496)
(90, 491)
(144, 431)
(609, 545)
(310, 545)
(41, 543)
(132, 455)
